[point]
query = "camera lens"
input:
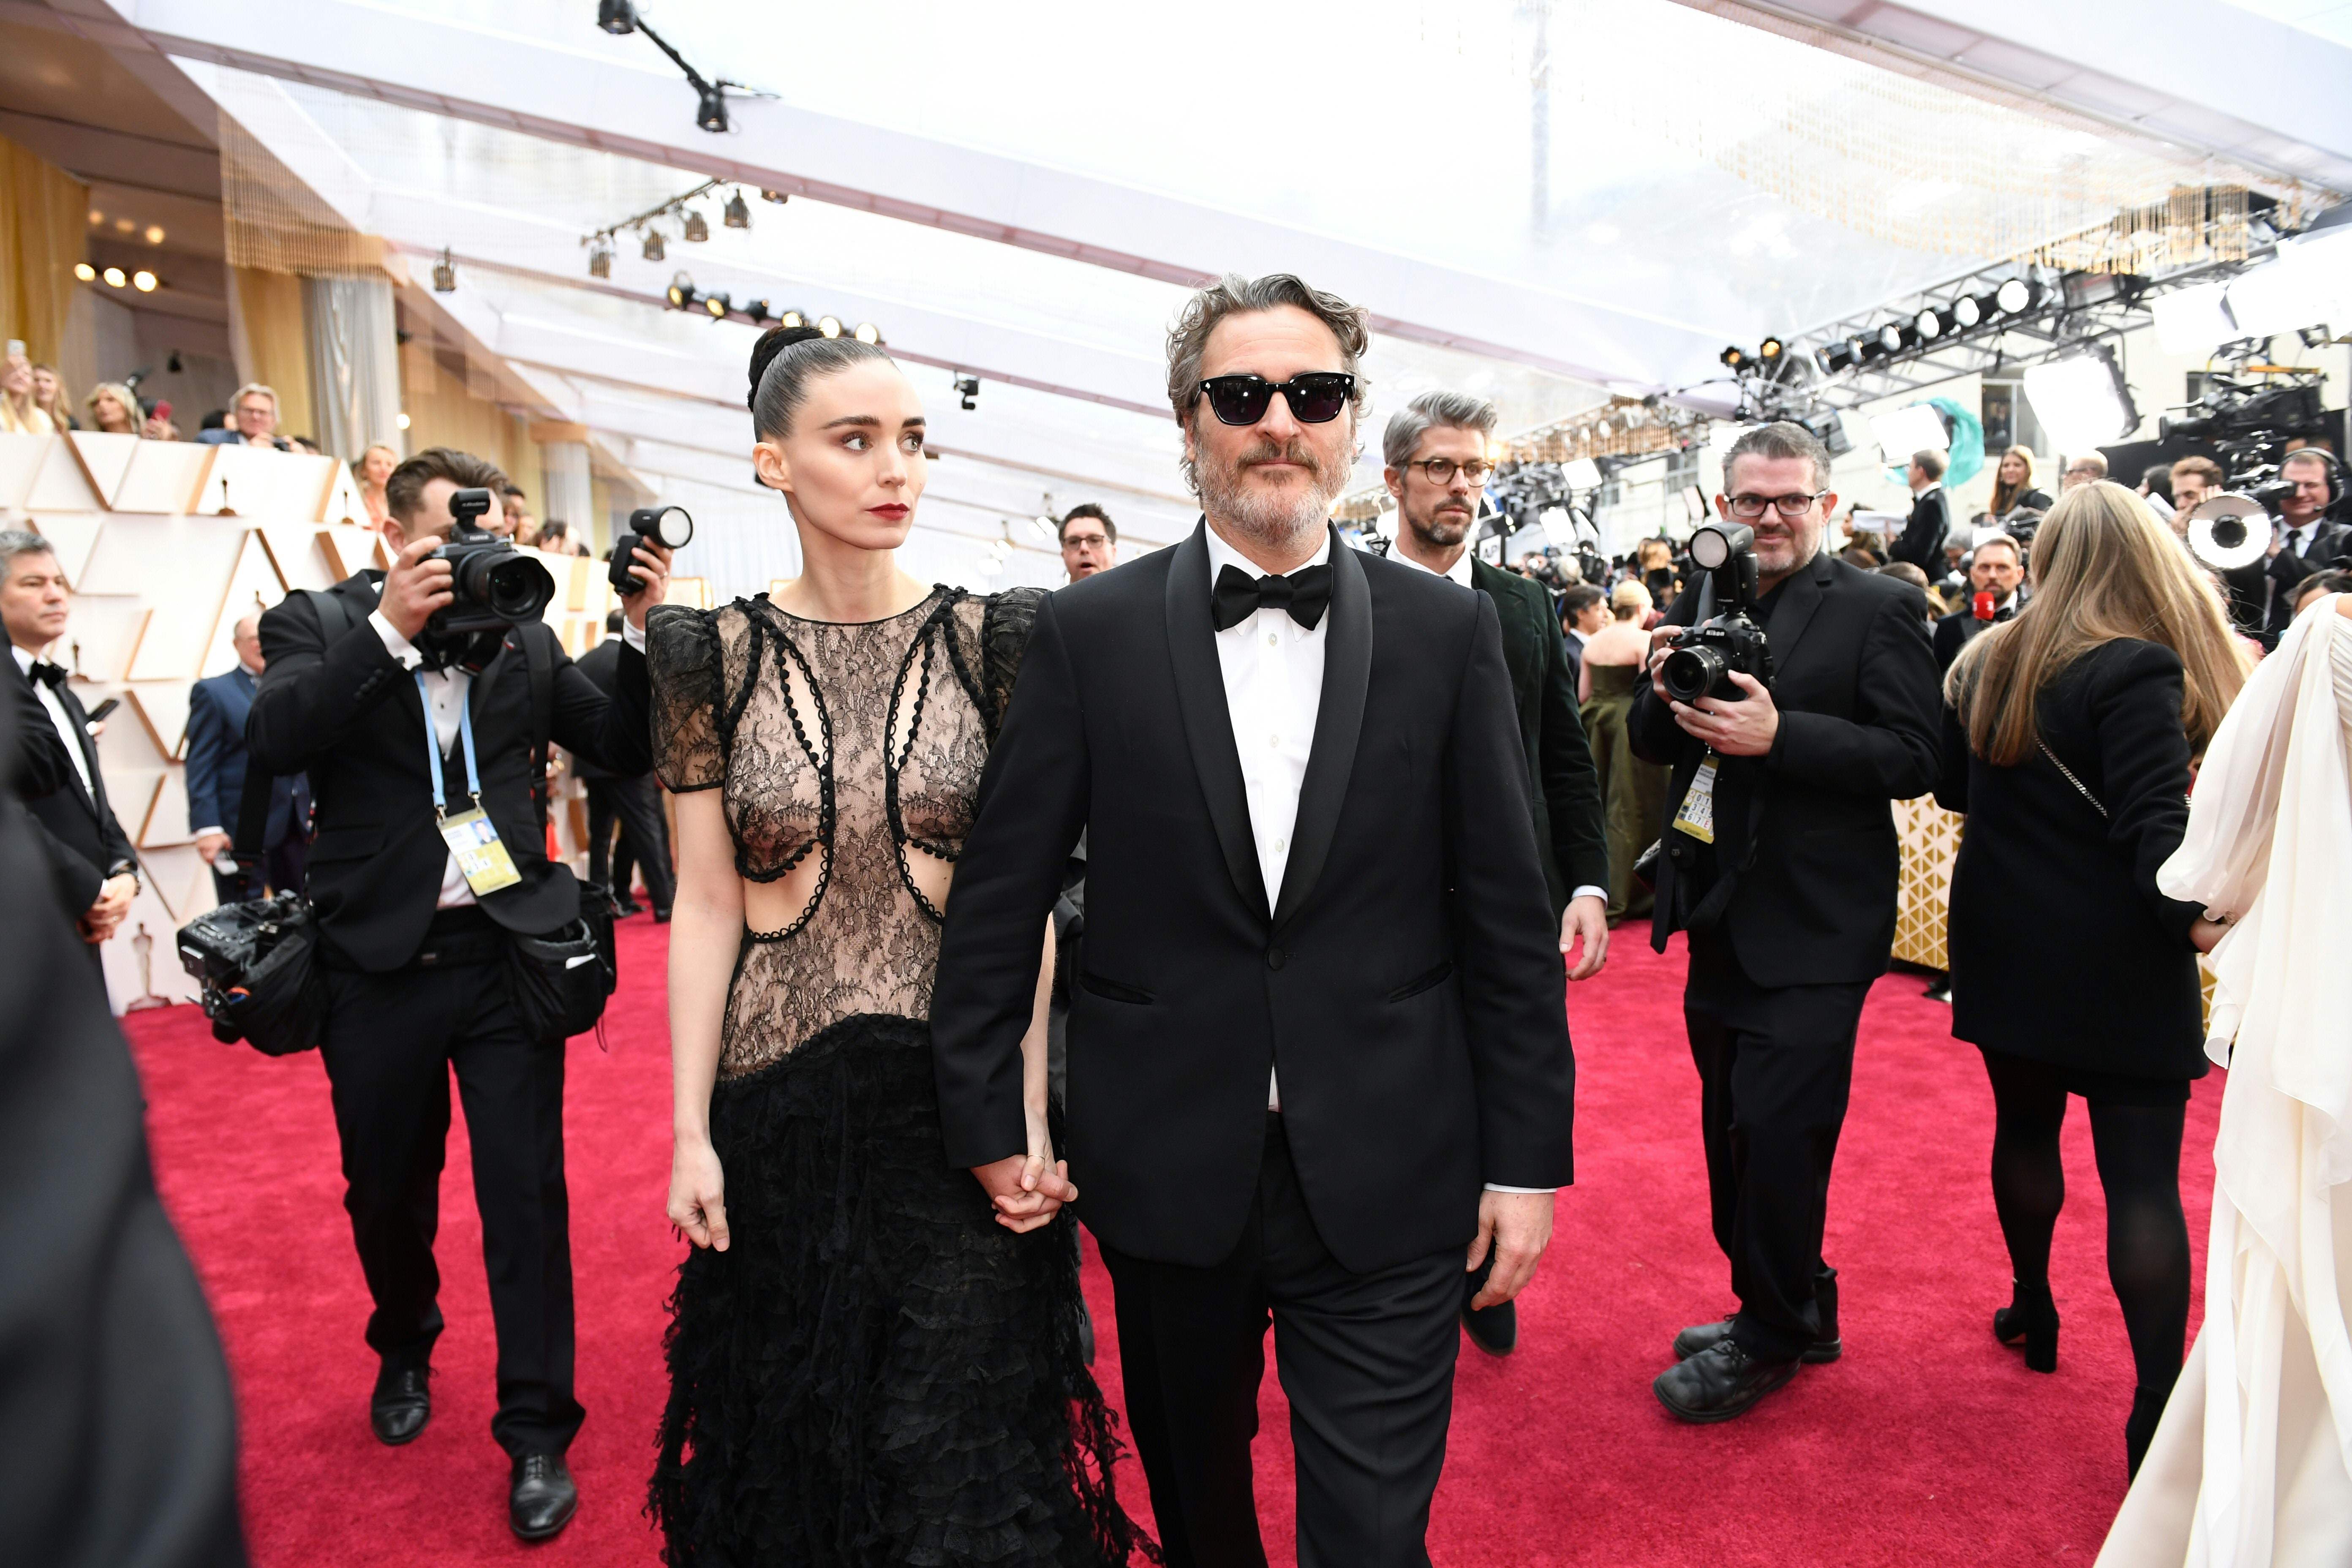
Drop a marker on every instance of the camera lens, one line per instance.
(1689, 673)
(2229, 532)
(516, 588)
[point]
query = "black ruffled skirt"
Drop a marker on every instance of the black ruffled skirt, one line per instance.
(875, 1371)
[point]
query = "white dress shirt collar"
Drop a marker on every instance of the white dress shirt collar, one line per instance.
(60, 720)
(1222, 555)
(1459, 571)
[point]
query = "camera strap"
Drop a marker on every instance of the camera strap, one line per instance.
(470, 835)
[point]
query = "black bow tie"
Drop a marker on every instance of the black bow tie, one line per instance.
(1304, 594)
(53, 676)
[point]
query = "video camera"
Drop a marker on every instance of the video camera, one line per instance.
(493, 585)
(1705, 655)
(2249, 424)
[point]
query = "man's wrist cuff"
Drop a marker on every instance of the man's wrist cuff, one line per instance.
(1498, 1187)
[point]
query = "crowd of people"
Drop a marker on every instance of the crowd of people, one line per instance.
(1240, 884)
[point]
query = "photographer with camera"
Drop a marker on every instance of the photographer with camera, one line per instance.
(1792, 719)
(2307, 542)
(419, 701)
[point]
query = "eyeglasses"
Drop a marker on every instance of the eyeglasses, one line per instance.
(1441, 471)
(1315, 398)
(1796, 506)
(1083, 538)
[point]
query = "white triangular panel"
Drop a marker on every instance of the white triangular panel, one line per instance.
(351, 550)
(162, 707)
(167, 819)
(72, 535)
(253, 586)
(295, 549)
(343, 503)
(163, 477)
(105, 459)
(130, 791)
(164, 559)
(266, 486)
(61, 485)
(20, 458)
(101, 636)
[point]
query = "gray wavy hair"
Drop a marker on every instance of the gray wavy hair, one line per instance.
(1233, 295)
(15, 541)
(1459, 410)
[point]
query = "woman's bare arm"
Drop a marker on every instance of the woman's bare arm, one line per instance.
(705, 931)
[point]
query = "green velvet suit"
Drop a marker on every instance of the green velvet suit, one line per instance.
(1562, 785)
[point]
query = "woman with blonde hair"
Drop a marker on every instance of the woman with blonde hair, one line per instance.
(371, 469)
(114, 410)
(2070, 736)
(20, 414)
(2012, 485)
(1633, 792)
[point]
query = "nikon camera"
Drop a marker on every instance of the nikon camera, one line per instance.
(1705, 654)
(494, 586)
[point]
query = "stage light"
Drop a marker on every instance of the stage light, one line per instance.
(1581, 474)
(968, 389)
(1967, 312)
(696, 230)
(444, 274)
(2193, 320)
(1829, 429)
(1769, 349)
(616, 16)
(401, 419)
(1833, 358)
(736, 212)
(2016, 297)
(1928, 324)
(792, 319)
(154, 234)
(681, 293)
(712, 113)
(829, 326)
(85, 271)
(718, 305)
(758, 310)
(1896, 336)
(1734, 357)
(779, 197)
(600, 259)
(114, 277)
(867, 333)
(144, 281)
(1908, 430)
(2082, 402)
(652, 246)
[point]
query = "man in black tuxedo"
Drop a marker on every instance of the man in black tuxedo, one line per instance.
(2307, 541)
(1995, 567)
(1318, 1063)
(359, 693)
(93, 866)
(1922, 543)
(632, 804)
(1583, 610)
(1780, 862)
(214, 777)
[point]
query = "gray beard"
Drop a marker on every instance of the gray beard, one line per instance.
(1432, 534)
(1275, 524)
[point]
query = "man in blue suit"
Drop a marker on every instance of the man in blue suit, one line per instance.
(216, 779)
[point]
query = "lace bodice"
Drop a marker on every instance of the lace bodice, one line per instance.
(860, 745)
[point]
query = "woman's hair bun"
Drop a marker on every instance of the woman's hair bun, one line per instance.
(773, 341)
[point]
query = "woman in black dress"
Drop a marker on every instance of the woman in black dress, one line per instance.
(869, 1364)
(2070, 734)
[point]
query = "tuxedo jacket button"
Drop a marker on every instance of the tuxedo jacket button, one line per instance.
(1275, 958)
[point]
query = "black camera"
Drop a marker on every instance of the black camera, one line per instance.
(1705, 655)
(668, 526)
(493, 585)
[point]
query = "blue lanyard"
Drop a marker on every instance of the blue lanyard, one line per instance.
(433, 749)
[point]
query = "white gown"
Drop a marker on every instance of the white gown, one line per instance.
(2252, 1466)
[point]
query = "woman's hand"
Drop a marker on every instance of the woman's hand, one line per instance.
(2206, 935)
(697, 1193)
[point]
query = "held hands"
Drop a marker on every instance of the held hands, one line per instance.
(697, 1193)
(652, 571)
(1517, 1226)
(1587, 919)
(1744, 729)
(2207, 934)
(414, 588)
(1027, 1189)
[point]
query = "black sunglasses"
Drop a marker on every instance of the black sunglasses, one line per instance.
(1315, 398)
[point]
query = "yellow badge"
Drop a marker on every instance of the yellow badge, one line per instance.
(480, 854)
(1697, 817)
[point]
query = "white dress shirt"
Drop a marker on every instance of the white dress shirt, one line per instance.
(448, 689)
(58, 718)
(2299, 539)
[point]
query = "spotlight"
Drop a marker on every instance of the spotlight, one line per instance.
(85, 271)
(1870, 347)
(738, 212)
(792, 319)
(616, 16)
(444, 274)
(1967, 312)
(2016, 297)
(712, 113)
(968, 388)
(1769, 349)
(600, 258)
(1896, 336)
(697, 231)
(1928, 325)
(154, 234)
(779, 197)
(718, 305)
(653, 250)
(758, 310)
(681, 293)
(144, 281)
(867, 333)
(114, 277)
(829, 326)
(401, 419)
(1734, 357)
(2083, 401)
(1836, 357)
(172, 364)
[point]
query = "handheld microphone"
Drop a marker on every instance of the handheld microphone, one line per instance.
(1982, 605)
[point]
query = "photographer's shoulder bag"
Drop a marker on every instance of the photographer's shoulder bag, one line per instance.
(560, 980)
(257, 961)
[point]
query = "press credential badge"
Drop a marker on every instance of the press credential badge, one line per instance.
(481, 855)
(1697, 817)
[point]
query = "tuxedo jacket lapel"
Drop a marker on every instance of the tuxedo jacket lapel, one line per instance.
(1208, 726)
(1795, 611)
(1339, 721)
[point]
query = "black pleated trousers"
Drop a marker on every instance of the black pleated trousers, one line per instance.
(391, 1043)
(1775, 1066)
(636, 805)
(1366, 1361)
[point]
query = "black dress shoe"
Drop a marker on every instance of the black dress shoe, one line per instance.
(2031, 1316)
(401, 1404)
(624, 908)
(661, 917)
(541, 1499)
(1719, 1384)
(1700, 1338)
(1496, 1329)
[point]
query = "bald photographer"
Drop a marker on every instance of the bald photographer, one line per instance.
(420, 702)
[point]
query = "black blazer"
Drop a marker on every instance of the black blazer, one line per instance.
(1563, 786)
(78, 835)
(347, 713)
(1407, 982)
(215, 774)
(1955, 631)
(1805, 849)
(2061, 948)
(2287, 570)
(602, 666)
(1922, 543)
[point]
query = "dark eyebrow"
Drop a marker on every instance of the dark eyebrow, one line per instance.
(867, 420)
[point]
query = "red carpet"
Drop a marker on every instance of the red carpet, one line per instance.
(1929, 1443)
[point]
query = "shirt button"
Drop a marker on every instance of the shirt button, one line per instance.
(1280, 844)
(1274, 739)
(1272, 640)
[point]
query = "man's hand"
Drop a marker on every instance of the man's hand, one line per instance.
(212, 846)
(1518, 1226)
(1744, 729)
(99, 921)
(1662, 641)
(1587, 919)
(1025, 1190)
(652, 570)
(416, 587)
(2207, 934)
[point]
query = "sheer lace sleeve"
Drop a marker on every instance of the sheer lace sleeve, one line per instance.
(1004, 628)
(682, 656)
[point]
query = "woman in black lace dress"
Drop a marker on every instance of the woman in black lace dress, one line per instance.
(869, 1364)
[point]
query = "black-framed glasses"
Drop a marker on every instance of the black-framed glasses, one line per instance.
(1441, 471)
(1793, 506)
(1315, 396)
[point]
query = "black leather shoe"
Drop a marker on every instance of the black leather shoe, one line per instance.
(1719, 1384)
(401, 1404)
(661, 917)
(1496, 1329)
(1700, 1338)
(2032, 1315)
(541, 1499)
(624, 908)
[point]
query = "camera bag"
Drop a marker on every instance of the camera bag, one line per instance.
(560, 980)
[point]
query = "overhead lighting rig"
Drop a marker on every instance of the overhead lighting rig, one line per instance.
(719, 306)
(620, 18)
(693, 226)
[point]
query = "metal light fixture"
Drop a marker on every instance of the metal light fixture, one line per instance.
(738, 212)
(681, 293)
(1967, 312)
(792, 319)
(85, 271)
(1734, 357)
(144, 281)
(616, 16)
(829, 326)
(444, 274)
(779, 197)
(2017, 295)
(718, 305)
(1927, 324)
(653, 248)
(697, 231)
(1834, 357)
(867, 333)
(757, 310)
(968, 389)
(1769, 349)
(711, 115)
(600, 258)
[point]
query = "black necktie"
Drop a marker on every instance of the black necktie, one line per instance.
(1303, 594)
(53, 676)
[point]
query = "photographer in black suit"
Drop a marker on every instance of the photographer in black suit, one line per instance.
(1930, 522)
(1781, 860)
(416, 958)
(634, 805)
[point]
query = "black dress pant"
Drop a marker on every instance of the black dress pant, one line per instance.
(281, 872)
(635, 804)
(1775, 1065)
(1366, 1361)
(391, 1041)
